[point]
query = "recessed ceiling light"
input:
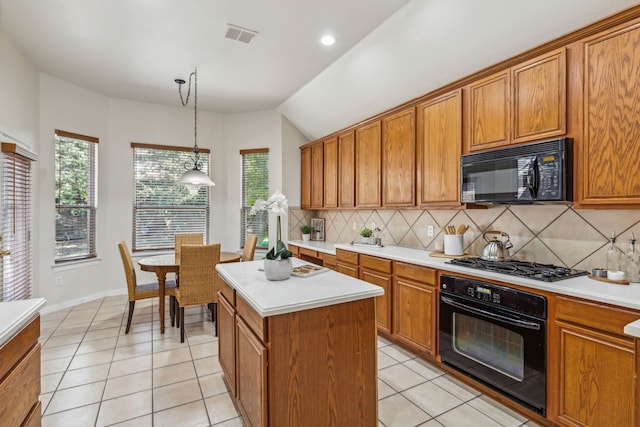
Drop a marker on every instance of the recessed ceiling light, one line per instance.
(328, 40)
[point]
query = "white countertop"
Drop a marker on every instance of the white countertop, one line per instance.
(270, 298)
(580, 287)
(14, 315)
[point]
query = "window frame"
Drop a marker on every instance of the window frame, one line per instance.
(245, 205)
(91, 204)
(179, 166)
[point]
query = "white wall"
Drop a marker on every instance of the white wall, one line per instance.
(292, 139)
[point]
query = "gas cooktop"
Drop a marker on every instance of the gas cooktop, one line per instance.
(530, 270)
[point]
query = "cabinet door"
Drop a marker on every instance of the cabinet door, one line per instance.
(305, 178)
(610, 150)
(539, 97)
(415, 314)
(438, 149)
(368, 166)
(252, 375)
(317, 179)
(489, 112)
(346, 170)
(597, 379)
(383, 303)
(227, 341)
(399, 159)
(331, 173)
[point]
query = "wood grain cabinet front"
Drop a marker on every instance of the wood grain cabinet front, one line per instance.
(378, 272)
(368, 166)
(399, 159)
(305, 177)
(346, 170)
(330, 174)
(347, 263)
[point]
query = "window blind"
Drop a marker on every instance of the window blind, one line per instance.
(161, 207)
(16, 223)
(255, 185)
(76, 196)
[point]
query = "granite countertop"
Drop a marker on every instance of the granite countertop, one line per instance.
(14, 315)
(581, 287)
(270, 298)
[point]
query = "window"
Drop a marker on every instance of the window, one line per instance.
(76, 196)
(161, 207)
(255, 185)
(15, 267)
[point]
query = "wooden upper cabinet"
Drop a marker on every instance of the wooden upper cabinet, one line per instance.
(438, 149)
(489, 112)
(368, 145)
(305, 178)
(540, 97)
(399, 158)
(609, 155)
(317, 178)
(346, 170)
(331, 173)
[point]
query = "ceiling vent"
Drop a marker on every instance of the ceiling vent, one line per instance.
(240, 34)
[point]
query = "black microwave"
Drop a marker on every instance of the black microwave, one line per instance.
(538, 172)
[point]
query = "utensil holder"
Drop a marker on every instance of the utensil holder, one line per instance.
(453, 244)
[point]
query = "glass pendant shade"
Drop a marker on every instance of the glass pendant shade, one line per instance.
(195, 177)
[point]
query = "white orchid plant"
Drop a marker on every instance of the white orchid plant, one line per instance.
(278, 204)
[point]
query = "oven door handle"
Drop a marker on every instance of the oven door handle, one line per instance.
(514, 322)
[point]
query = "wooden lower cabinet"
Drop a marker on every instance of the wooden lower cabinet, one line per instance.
(315, 367)
(20, 378)
(592, 375)
(414, 310)
(347, 263)
(378, 272)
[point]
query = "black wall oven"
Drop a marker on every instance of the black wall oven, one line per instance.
(495, 335)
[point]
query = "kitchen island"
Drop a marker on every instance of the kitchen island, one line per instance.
(301, 351)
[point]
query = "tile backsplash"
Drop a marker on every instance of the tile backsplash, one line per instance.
(555, 234)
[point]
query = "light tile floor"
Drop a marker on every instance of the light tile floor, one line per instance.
(95, 375)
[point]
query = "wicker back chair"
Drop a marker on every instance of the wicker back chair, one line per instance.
(187, 239)
(149, 290)
(249, 247)
(198, 280)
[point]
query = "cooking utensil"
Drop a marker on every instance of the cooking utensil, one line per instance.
(451, 229)
(462, 228)
(496, 250)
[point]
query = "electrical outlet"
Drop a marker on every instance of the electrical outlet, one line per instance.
(58, 280)
(430, 230)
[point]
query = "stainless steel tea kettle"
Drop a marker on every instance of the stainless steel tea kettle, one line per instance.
(496, 250)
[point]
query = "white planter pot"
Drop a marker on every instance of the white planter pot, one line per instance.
(306, 237)
(277, 269)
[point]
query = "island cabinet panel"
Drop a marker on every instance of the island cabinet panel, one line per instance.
(20, 377)
(609, 155)
(438, 150)
(415, 301)
(399, 159)
(539, 97)
(347, 263)
(322, 366)
(331, 173)
(489, 112)
(347, 170)
(595, 366)
(226, 319)
(368, 166)
(317, 176)
(305, 178)
(378, 271)
(251, 376)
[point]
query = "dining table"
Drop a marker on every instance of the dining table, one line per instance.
(167, 263)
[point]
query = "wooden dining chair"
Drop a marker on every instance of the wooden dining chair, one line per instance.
(198, 280)
(187, 239)
(249, 249)
(149, 290)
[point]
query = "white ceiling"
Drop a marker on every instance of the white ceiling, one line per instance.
(134, 49)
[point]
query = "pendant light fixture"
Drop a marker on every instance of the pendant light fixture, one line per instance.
(194, 175)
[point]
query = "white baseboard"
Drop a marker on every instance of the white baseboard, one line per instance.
(61, 306)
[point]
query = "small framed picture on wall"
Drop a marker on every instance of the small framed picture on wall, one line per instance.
(317, 229)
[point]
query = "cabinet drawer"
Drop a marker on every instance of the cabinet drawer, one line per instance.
(20, 389)
(594, 315)
(328, 260)
(257, 323)
(375, 263)
(416, 272)
(228, 292)
(346, 256)
(12, 351)
(308, 252)
(347, 269)
(295, 250)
